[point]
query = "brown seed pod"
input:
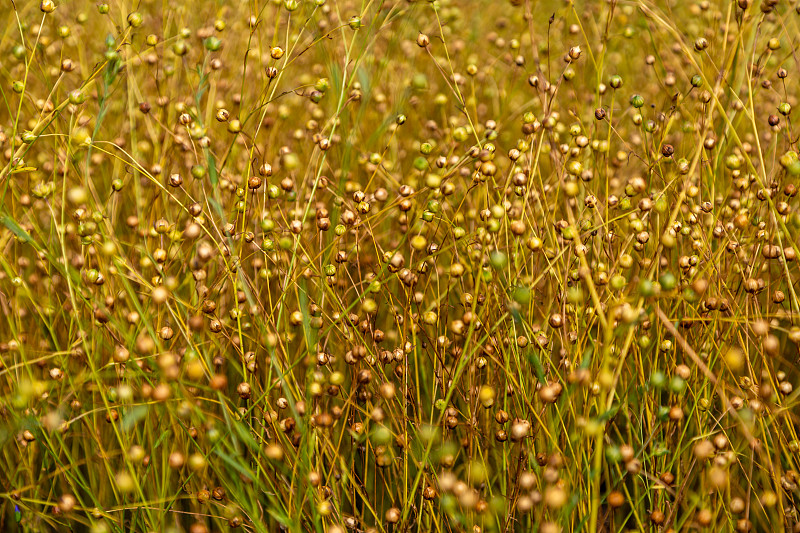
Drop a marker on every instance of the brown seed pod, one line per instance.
(616, 499)
(657, 517)
(244, 390)
(218, 382)
(67, 503)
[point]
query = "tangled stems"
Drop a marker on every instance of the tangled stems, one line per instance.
(399, 266)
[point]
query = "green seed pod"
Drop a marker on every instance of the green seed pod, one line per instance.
(180, 48)
(498, 260)
(369, 306)
(667, 281)
(290, 161)
(732, 162)
(644, 342)
(658, 380)
(613, 454)
(135, 19)
(677, 384)
(647, 288)
(212, 44)
(322, 85)
(419, 81)
(198, 171)
(788, 158)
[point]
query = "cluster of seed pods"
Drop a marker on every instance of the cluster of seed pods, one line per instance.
(389, 265)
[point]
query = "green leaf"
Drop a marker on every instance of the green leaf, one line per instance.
(236, 465)
(133, 416)
(533, 358)
(15, 228)
(22, 169)
(212, 168)
(280, 517)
